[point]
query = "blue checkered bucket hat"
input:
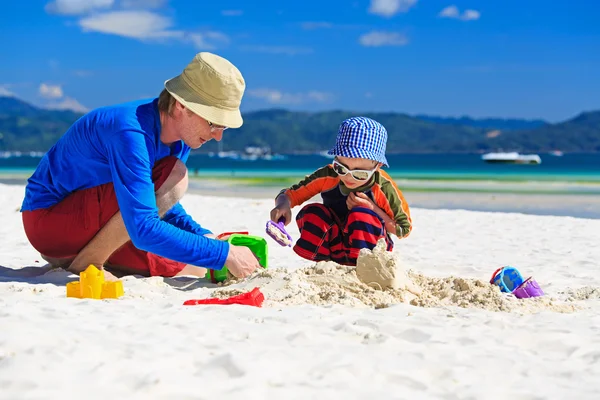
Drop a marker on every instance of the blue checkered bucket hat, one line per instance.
(361, 137)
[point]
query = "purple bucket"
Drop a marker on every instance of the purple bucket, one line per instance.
(527, 289)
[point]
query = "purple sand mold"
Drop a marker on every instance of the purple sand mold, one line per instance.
(529, 288)
(281, 227)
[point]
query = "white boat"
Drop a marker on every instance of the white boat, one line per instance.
(260, 153)
(511, 158)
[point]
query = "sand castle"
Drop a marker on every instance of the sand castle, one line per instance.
(381, 269)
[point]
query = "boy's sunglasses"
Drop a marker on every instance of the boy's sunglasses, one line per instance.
(358, 174)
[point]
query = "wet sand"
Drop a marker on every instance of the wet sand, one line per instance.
(478, 196)
(574, 205)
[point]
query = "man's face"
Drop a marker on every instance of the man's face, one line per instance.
(195, 130)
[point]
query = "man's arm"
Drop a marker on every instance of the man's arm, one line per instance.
(129, 156)
(177, 216)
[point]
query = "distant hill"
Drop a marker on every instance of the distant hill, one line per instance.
(581, 133)
(24, 127)
(288, 131)
(504, 124)
(28, 128)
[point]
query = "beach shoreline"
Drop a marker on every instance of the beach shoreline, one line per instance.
(542, 198)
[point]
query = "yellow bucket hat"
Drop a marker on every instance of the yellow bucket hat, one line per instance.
(211, 87)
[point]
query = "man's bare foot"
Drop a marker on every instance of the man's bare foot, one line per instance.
(108, 276)
(192, 270)
(63, 263)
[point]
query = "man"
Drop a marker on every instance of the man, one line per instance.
(107, 193)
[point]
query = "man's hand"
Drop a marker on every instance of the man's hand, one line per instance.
(359, 199)
(282, 209)
(241, 262)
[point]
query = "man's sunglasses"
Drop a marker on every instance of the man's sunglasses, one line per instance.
(214, 127)
(358, 174)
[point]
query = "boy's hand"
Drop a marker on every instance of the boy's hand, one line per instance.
(282, 209)
(359, 199)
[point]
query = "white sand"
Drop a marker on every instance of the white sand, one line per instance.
(321, 333)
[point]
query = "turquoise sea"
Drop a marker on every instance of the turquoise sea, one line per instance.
(566, 185)
(567, 168)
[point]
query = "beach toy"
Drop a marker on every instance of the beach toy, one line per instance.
(507, 278)
(529, 288)
(253, 298)
(278, 233)
(256, 244)
(91, 285)
(225, 235)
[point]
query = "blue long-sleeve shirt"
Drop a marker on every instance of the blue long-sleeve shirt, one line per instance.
(121, 144)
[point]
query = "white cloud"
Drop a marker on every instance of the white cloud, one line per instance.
(471, 15)
(316, 25)
(378, 39)
(388, 8)
(321, 97)
(232, 13)
(147, 25)
(277, 97)
(68, 103)
(134, 20)
(50, 91)
(81, 7)
(143, 4)
(454, 12)
(288, 50)
(4, 92)
(450, 12)
(208, 40)
(133, 24)
(77, 7)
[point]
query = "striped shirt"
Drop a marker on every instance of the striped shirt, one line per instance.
(381, 189)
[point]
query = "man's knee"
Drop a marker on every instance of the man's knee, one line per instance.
(179, 174)
(173, 188)
(176, 183)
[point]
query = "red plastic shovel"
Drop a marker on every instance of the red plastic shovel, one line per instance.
(252, 298)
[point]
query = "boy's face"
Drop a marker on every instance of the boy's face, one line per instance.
(352, 164)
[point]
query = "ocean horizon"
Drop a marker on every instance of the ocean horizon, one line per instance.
(583, 167)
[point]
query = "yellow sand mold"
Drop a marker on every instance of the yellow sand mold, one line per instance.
(91, 285)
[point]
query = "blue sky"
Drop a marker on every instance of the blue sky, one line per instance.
(496, 58)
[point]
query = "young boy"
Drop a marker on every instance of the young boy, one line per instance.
(361, 203)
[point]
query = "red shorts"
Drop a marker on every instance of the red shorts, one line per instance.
(324, 237)
(62, 230)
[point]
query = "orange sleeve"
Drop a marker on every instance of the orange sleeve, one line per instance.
(320, 180)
